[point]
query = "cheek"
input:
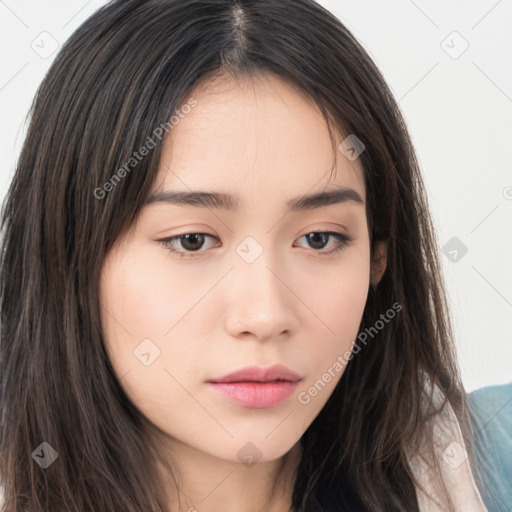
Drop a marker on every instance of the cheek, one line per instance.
(140, 305)
(337, 298)
(150, 320)
(337, 294)
(144, 297)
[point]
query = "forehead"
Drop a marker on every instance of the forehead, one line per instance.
(257, 136)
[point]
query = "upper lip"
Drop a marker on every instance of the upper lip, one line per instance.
(260, 374)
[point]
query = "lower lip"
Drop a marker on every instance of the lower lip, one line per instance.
(256, 395)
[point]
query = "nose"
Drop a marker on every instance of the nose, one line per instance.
(260, 298)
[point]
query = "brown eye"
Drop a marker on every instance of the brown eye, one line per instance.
(189, 242)
(319, 239)
(192, 242)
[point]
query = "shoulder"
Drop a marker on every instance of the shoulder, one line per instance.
(439, 461)
(491, 412)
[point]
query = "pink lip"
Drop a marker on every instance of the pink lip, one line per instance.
(259, 374)
(256, 387)
(256, 395)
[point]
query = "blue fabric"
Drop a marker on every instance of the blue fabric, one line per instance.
(492, 421)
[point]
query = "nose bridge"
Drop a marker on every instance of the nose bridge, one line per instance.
(260, 303)
(255, 265)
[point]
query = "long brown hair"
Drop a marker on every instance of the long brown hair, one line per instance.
(120, 76)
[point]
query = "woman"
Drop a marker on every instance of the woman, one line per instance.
(225, 294)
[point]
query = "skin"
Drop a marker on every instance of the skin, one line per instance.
(266, 142)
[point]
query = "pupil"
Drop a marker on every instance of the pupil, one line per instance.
(312, 237)
(193, 246)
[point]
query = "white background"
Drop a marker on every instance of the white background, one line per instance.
(458, 107)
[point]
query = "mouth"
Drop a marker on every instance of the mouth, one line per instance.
(256, 387)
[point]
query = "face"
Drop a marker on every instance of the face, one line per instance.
(261, 282)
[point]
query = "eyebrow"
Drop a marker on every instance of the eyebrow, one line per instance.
(220, 200)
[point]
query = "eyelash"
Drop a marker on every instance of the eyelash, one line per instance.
(341, 242)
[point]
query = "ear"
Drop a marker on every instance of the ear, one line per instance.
(378, 264)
